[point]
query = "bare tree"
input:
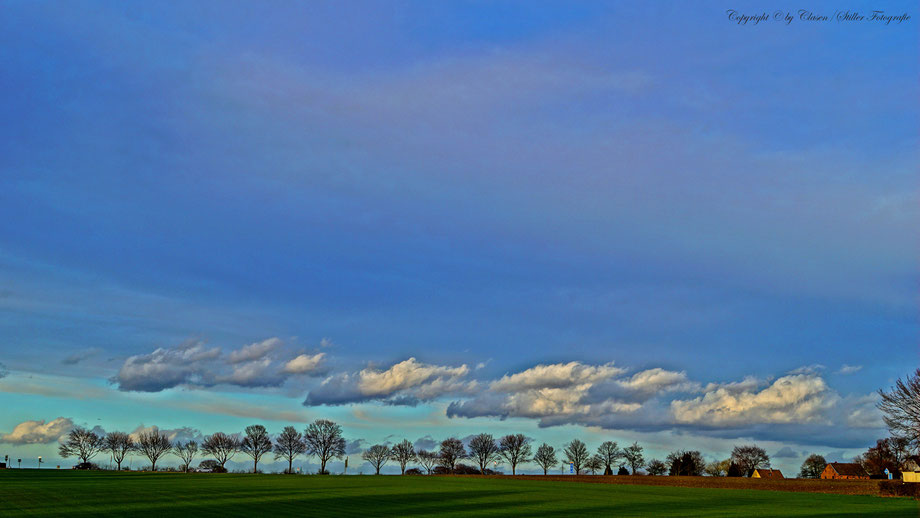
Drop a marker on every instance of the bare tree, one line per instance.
(186, 453)
(256, 443)
(610, 453)
(484, 450)
(813, 466)
(576, 453)
(546, 457)
(220, 446)
(901, 406)
(119, 444)
(428, 459)
(515, 449)
(452, 451)
(289, 445)
(403, 453)
(377, 455)
(81, 443)
(634, 457)
(656, 467)
(750, 457)
(594, 464)
(718, 468)
(153, 445)
(324, 440)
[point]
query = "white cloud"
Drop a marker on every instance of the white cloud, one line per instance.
(406, 382)
(254, 351)
(556, 375)
(38, 432)
(849, 369)
(797, 398)
(304, 364)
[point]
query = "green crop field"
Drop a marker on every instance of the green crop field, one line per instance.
(70, 493)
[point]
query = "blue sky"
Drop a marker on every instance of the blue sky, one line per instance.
(637, 222)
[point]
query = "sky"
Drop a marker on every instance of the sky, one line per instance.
(598, 220)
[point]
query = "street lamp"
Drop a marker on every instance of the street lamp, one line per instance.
(39, 462)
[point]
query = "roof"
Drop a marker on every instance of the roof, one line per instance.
(769, 473)
(850, 469)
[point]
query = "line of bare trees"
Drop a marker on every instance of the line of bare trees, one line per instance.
(323, 440)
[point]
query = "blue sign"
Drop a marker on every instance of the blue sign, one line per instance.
(571, 468)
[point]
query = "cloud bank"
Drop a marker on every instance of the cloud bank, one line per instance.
(193, 364)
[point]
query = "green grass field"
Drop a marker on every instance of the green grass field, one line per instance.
(55, 493)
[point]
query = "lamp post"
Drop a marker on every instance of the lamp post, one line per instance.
(39, 462)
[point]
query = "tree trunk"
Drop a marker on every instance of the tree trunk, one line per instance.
(322, 467)
(153, 465)
(119, 465)
(255, 465)
(512, 470)
(290, 465)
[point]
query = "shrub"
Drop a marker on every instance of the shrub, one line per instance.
(413, 471)
(623, 471)
(899, 488)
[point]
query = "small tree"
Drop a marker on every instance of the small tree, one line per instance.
(428, 460)
(717, 468)
(609, 453)
(656, 468)
(119, 444)
(546, 457)
(515, 449)
(594, 464)
(633, 456)
(289, 445)
(82, 444)
(577, 454)
(403, 453)
(256, 443)
(186, 453)
(377, 455)
(750, 457)
(153, 445)
(901, 406)
(452, 452)
(813, 466)
(324, 440)
(484, 450)
(221, 446)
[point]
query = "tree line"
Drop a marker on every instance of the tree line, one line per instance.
(323, 440)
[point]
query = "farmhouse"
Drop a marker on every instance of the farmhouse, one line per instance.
(767, 473)
(844, 471)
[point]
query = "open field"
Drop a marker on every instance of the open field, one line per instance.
(54, 493)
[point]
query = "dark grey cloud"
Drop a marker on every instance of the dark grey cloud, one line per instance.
(425, 443)
(785, 453)
(79, 356)
(4, 372)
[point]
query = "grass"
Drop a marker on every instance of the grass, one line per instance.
(70, 493)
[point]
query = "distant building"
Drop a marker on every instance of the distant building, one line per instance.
(844, 471)
(767, 473)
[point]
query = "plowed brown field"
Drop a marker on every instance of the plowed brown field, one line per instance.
(841, 487)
